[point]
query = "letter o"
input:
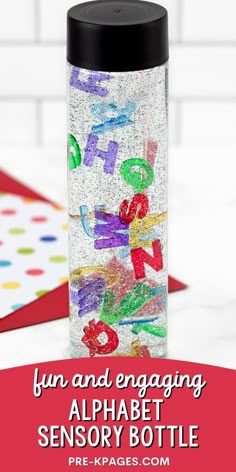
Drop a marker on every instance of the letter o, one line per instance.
(93, 431)
(147, 430)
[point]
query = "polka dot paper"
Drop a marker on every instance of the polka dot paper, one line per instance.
(33, 251)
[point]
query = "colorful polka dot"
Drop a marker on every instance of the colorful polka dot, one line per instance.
(57, 259)
(63, 280)
(1, 243)
(58, 208)
(48, 239)
(5, 263)
(39, 219)
(25, 251)
(11, 285)
(28, 200)
(40, 293)
(8, 212)
(17, 306)
(16, 231)
(34, 272)
(65, 227)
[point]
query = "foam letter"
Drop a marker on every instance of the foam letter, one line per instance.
(91, 339)
(139, 257)
(133, 301)
(108, 156)
(109, 230)
(150, 151)
(100, 111)
(142, 232)
(88, 298)
(136, 178)
(137, 350)
(93, 83)
(85, 219)
(158, 331)
(74, 154)
(139, 207)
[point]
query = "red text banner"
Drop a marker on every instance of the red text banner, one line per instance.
(117, 413)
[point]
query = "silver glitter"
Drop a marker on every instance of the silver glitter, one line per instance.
(144, 137)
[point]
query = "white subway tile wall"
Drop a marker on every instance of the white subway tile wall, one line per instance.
(54, 30)
(17, 122)
(209, 20)
(54, 122)
(215, 126)
(202, 72)
(17, 20)
(172, 7)
(32, 71)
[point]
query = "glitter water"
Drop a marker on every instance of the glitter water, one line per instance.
(117, 185)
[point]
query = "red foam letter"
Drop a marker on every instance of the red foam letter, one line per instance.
(139, 207)
(94, 344)
(139, 257)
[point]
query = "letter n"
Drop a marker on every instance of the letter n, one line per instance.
(140, 257)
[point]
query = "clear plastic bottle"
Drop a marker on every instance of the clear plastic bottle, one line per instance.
(117, 187)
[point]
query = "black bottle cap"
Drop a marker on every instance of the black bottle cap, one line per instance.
(117, 36)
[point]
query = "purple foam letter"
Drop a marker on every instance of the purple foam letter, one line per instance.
(93, 83)
(108, 156)
(89, 298)
(109, 230)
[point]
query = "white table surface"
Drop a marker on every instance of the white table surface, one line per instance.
(202, 253)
